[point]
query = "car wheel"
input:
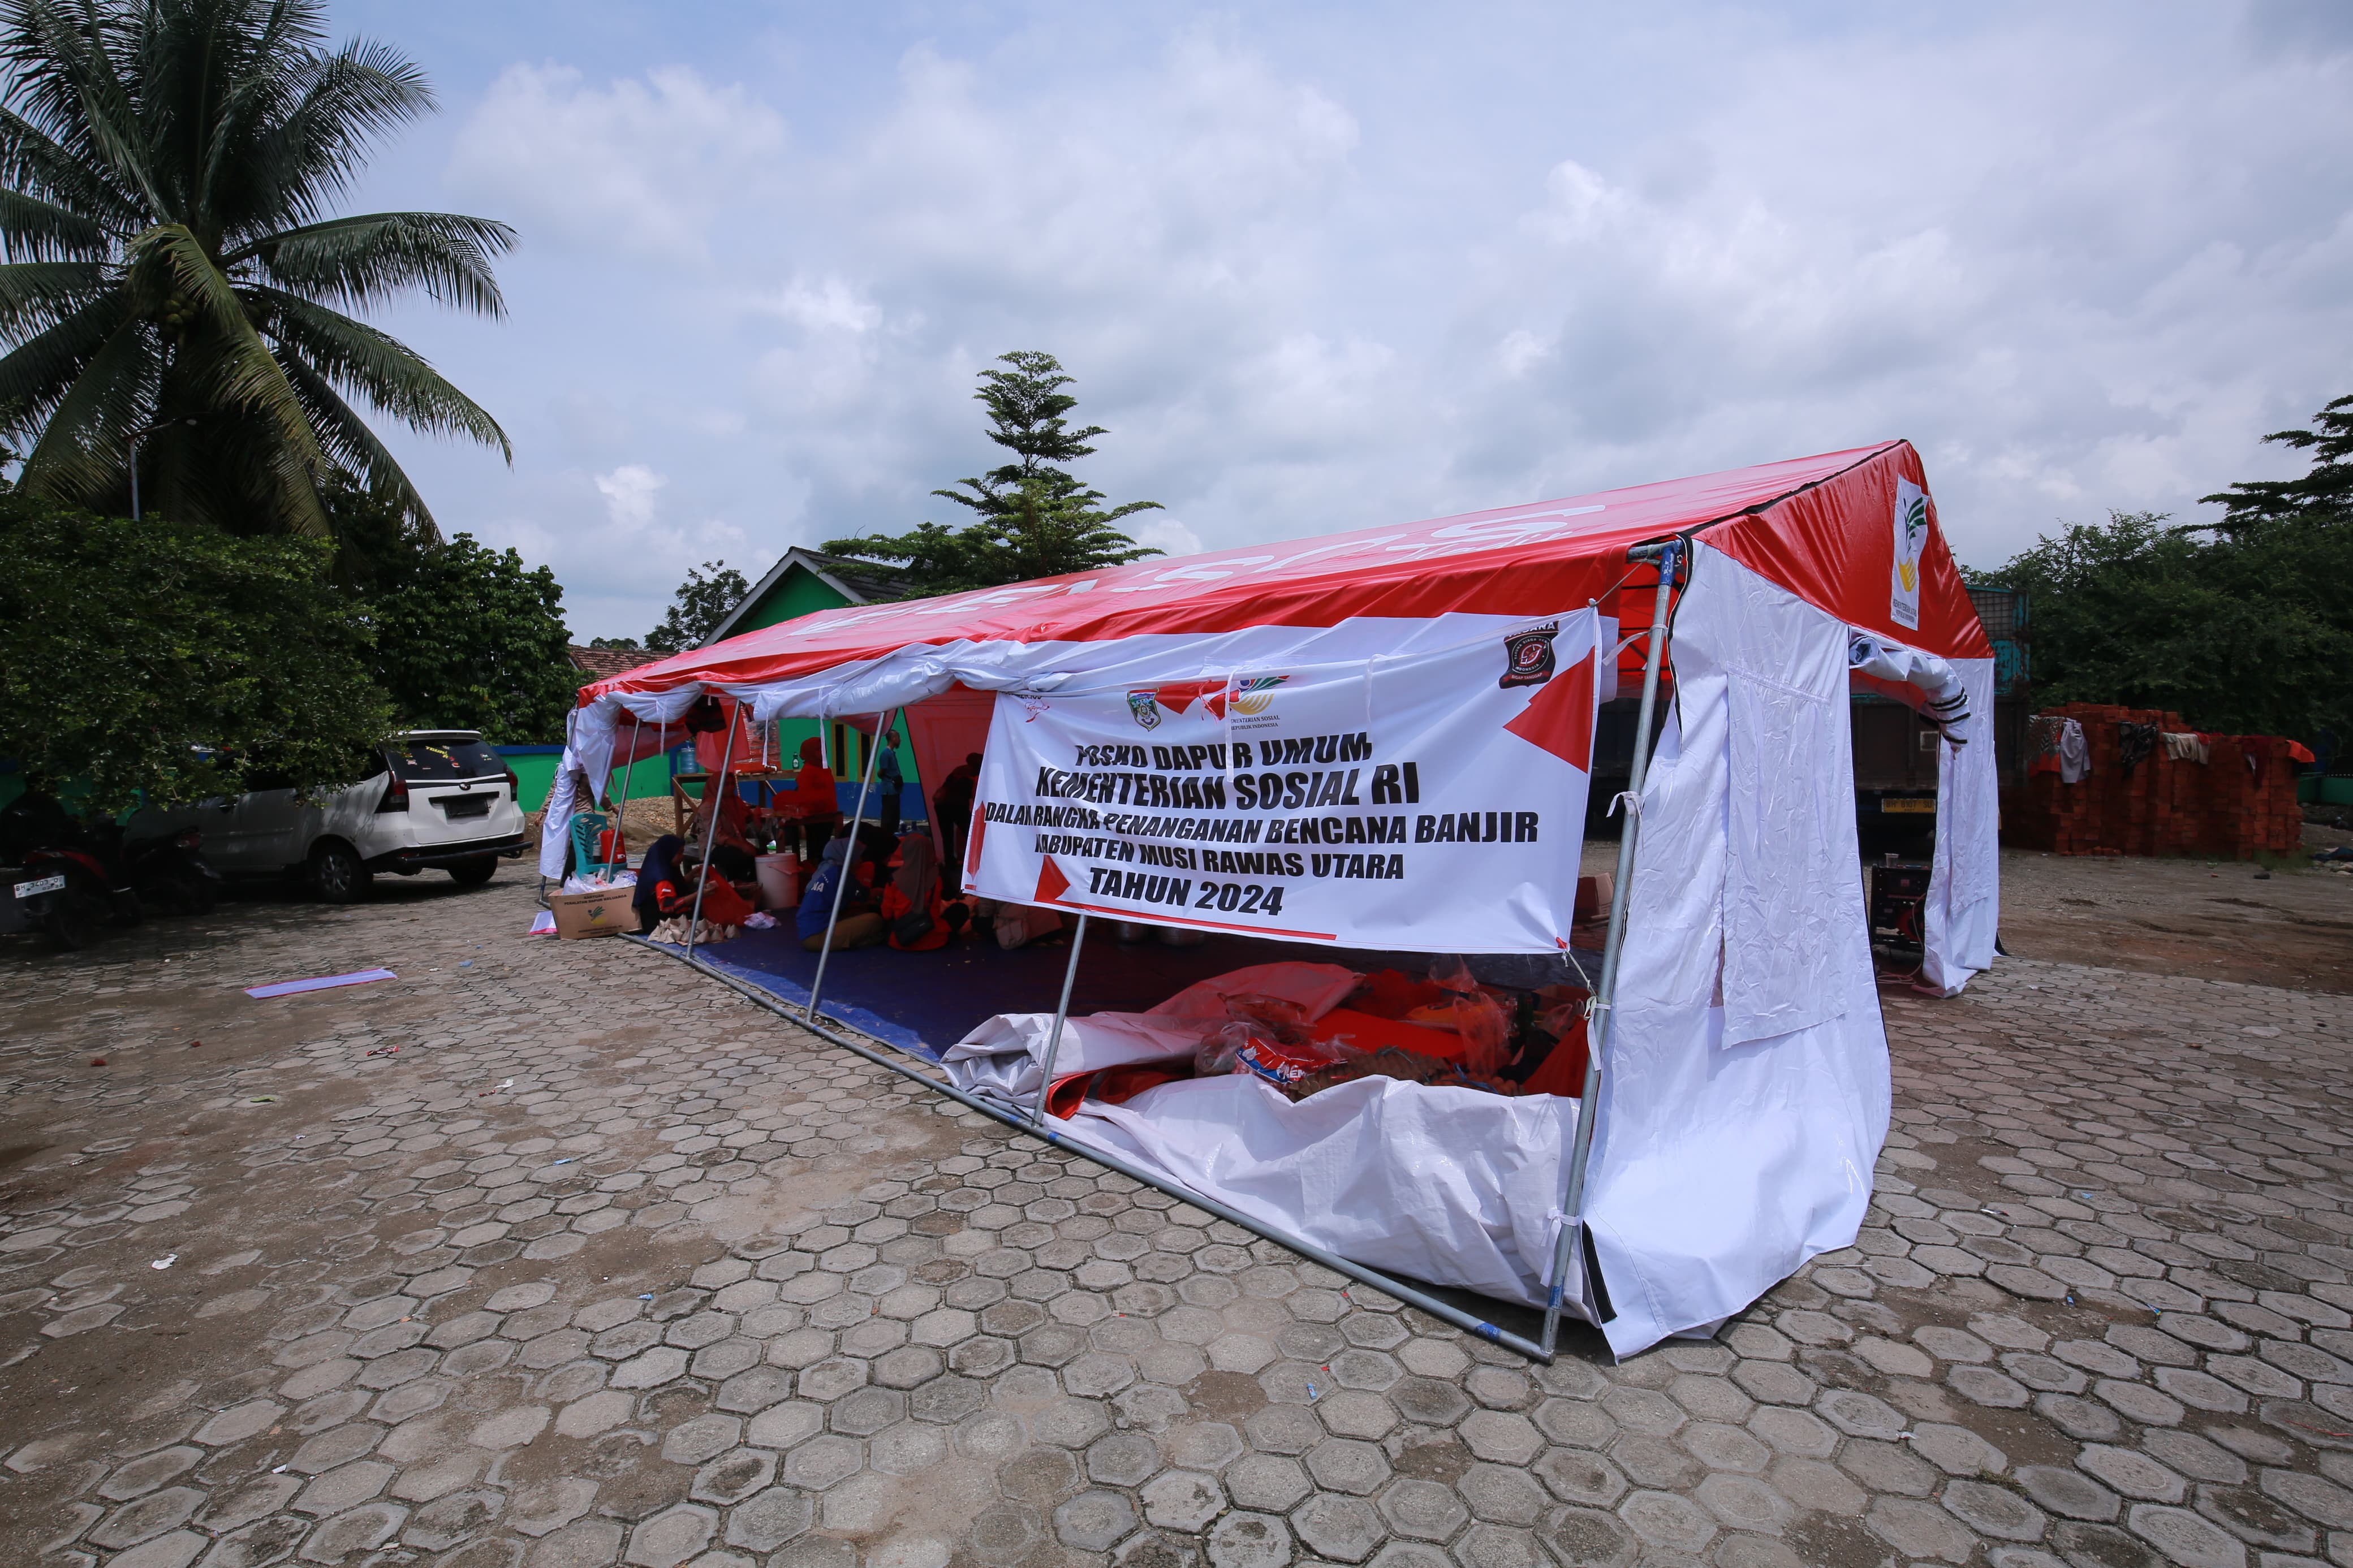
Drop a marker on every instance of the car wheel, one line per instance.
(336, 875)
(475, 872)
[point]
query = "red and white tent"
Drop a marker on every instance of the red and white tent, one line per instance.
(1743, 1089)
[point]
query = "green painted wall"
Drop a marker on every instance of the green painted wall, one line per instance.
(798, 592)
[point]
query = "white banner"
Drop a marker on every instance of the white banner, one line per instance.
(1432, 803)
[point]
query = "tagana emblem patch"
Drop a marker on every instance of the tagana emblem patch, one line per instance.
(1145, 707)
(1527, 656)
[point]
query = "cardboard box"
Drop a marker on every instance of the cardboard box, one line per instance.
(593, 914)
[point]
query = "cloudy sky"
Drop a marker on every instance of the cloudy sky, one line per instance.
(1322, 266)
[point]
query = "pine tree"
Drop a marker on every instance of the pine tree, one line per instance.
(1036, 519)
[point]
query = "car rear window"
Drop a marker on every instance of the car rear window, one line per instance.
(432, 762)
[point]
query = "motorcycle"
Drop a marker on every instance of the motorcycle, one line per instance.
(170, 871)
(66, 877)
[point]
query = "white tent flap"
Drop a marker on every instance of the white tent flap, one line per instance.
(1720, 1165)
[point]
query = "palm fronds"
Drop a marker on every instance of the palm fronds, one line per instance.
(167, 171)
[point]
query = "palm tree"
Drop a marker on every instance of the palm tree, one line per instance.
(166, 168)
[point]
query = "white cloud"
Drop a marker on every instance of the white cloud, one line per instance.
(1329, 269)
(641, 167)
(1166, 535)
(629, 492)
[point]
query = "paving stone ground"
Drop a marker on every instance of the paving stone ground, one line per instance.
(603, 1265)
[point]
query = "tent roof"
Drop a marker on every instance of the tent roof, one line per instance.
(1820, 526)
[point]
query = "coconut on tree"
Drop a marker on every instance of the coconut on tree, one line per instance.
(177, 285)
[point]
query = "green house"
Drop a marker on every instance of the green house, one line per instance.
(802, 582)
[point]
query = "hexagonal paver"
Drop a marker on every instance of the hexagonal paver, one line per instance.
(1502, 1437)
(1266, 1482)
(770, 1519)
(1664, 1519)
(1345, 1465)
(1250, 1540)
(1182, 1500)
(1423, 1510)
(1094, 1520)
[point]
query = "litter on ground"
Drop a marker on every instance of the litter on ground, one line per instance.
(324, 982)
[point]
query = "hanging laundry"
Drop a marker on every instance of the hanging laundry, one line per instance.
(2186, 747)
(2042, 732)
(2075, 753)
(2139, 740)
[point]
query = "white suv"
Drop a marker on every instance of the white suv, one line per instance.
(428, 798)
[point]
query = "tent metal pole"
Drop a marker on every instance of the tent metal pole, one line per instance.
(710, 794)
(1600, 1010)
(1062, 1013)
(849, 870)
(1419, 1301)
(622, 811)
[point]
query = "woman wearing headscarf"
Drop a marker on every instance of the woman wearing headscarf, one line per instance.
(860, 924)
(660, 870)
(919, 918)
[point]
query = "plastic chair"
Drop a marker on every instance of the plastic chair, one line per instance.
(592, 839)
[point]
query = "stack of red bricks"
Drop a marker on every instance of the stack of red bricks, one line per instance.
(2237, 804)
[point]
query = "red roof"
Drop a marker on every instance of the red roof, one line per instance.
(1820, 526)
(603, 663)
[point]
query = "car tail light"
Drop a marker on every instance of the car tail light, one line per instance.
(514, 785)
(193, 839)
(396, 794)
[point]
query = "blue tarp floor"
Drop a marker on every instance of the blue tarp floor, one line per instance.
(922, 1003)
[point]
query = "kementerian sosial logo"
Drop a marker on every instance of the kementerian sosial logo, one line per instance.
(1911, 538)
(1254, 694)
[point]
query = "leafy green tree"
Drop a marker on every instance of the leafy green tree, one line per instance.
(465, 637)
(167, 169)
(170, 662)
(631, 643)
(1035, 518)
(2245, 634)
(2324, 495)
(702, 601)
(470, 638)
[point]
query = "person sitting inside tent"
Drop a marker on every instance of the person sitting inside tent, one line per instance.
(669, 883)
(919, 918)
(659, 872)
(813, 800)
(860, 924)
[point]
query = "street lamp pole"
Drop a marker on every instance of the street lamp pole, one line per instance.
(132, 441)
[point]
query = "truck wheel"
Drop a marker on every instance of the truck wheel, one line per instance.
(475, 872)
(336, 875)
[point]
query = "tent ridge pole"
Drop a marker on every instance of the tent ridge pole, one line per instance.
(1419, 1301)
(1602, 1013)
(703, 878)
(1062, 1015)
(849, 864)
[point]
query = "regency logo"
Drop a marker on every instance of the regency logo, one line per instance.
(1145, 708)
